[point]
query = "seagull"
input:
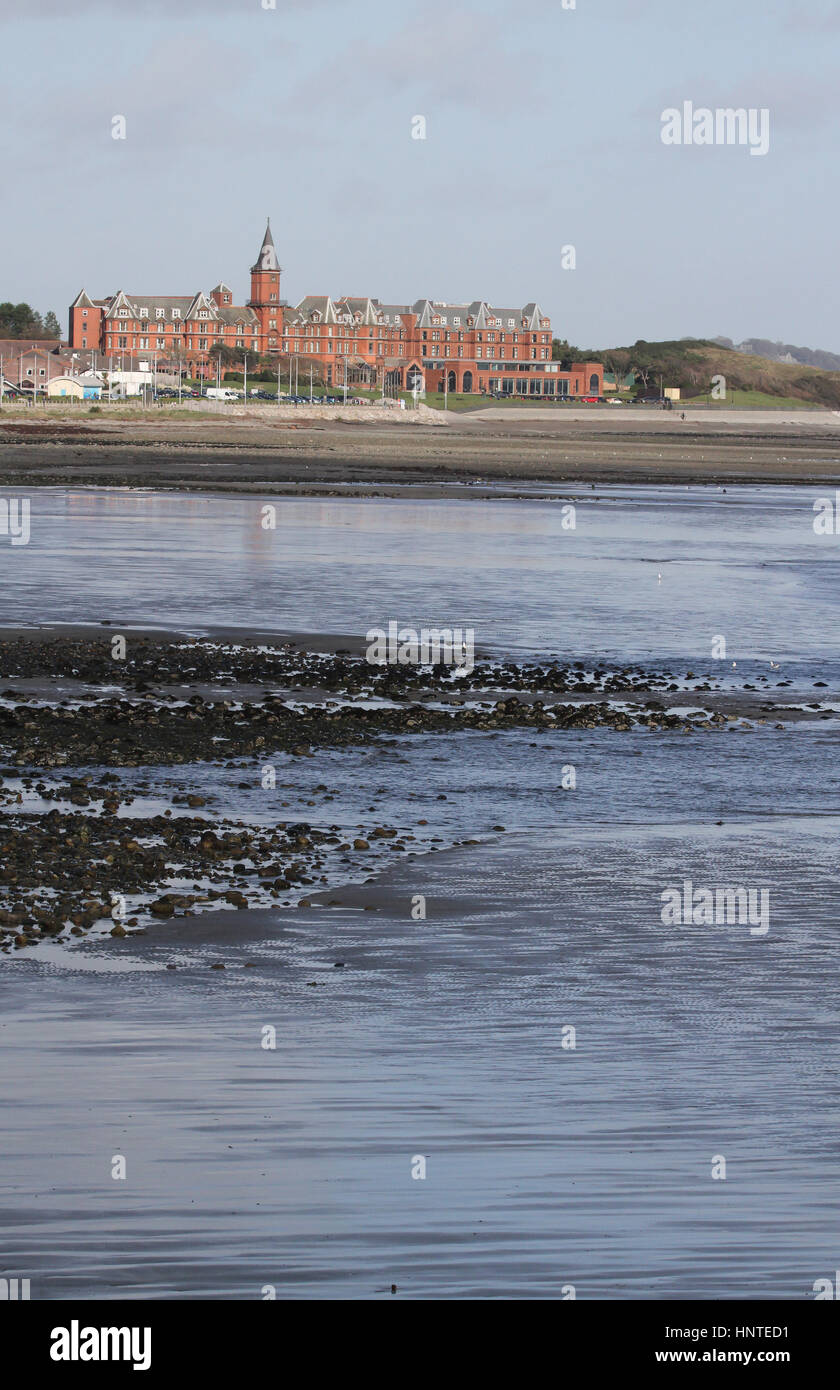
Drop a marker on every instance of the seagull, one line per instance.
(659, 577)
(774, 665)
(734, 664)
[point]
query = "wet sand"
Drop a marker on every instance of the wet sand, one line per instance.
(488, 446)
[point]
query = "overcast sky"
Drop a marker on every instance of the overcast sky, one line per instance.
(543, 129)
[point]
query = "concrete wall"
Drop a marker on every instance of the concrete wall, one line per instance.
(359, 414)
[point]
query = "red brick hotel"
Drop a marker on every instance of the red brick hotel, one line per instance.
(476, 346)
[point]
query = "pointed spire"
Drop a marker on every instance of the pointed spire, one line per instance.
(267, 258)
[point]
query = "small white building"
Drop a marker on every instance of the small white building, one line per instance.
(79, 388)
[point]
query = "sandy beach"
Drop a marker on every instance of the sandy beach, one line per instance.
(241, 452)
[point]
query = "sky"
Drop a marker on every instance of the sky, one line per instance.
(543, 130)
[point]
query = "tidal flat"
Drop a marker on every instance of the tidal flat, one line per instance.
(276, 922)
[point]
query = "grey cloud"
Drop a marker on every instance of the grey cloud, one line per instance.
(458, 58)
(73, 10)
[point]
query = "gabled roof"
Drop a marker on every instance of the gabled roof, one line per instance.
(152, 302)
(82, 301)
(360, 308)
(320, 304)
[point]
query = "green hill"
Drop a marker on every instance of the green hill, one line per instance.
(691, 363)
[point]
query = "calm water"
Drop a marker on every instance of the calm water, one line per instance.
(745, 563)
(546, 1166)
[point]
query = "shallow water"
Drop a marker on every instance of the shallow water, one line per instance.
(744, 563)
(546, 1165)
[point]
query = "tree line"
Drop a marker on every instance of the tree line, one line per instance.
(22, 321)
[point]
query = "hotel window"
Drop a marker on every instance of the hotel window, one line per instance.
(161, 342)
(122, 313)
(511, 323)
(203, 314)
(515, 352)
(160, 313)
(84, 342)
(122, 342)
(202, 344)
(144, 313)
(176, 313)
(84, 313)
(273, 295)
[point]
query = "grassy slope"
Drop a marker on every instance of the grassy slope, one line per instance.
(691, 364)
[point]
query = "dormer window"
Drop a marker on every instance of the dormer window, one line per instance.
(227, 299)
(122, 313)
(176, 313)
(144, 313)
(203, 314)
(160, 313)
